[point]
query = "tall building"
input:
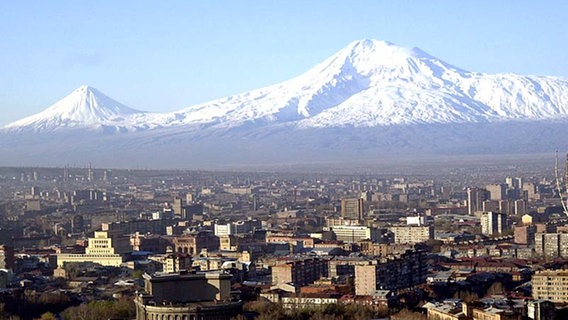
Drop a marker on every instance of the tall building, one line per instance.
(497, 191)
(541, 310)
(493, 223)
(179, 207)
(352, 208)
(90, 173)
(529, 190)
(475, 198)
(520, 207)
(6, 257)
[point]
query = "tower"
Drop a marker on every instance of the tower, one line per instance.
(90, 173)
(179, 207)
(65, 174)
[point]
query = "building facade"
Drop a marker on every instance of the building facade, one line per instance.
(412, 234)
(299, 271)
(551, 285)
(353, 208)
(187, 296)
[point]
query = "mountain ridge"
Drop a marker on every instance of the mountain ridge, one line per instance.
(368, 83)
(371, 99)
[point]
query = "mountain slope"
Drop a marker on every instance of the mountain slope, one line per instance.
(85, 107)
(373, 83)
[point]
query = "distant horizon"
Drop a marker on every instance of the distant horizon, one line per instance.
(394, 166)
(170, 56)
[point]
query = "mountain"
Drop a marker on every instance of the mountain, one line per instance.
(85, 108)
(371, 99)
(374, 83)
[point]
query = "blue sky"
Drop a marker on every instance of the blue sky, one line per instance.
(167, 55)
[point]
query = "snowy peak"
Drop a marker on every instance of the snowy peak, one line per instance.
(368, 79)
(374, 57)
(369, 83)
(85, 107)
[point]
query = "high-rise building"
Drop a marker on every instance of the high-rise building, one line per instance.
(520, 207)
(179, 207)
(90, 173)
(497, 191)
(352, 208)
(475, 198)
(530, 191)
(493, 223)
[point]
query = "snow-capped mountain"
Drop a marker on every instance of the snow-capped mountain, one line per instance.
(372, 98)
(85, 108)
(368, 83)
(372, 83)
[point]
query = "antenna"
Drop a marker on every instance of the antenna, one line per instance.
(558, 185)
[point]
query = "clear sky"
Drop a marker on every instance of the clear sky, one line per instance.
(166, 55)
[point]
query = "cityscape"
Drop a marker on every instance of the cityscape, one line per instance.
(446, 242)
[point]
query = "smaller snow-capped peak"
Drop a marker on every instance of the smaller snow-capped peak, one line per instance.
(84, 107)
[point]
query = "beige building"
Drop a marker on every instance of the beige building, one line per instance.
(551, 285)
(365, 280)
(493, 223)
(354, 233)
(105, 248)
(412, 234)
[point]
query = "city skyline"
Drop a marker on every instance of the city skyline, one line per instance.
(163, 58)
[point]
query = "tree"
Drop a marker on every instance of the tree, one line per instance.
(48, 316)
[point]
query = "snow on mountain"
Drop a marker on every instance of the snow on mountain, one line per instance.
(369, 83)
(86, 107)
(374, 83)
(371, 99)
